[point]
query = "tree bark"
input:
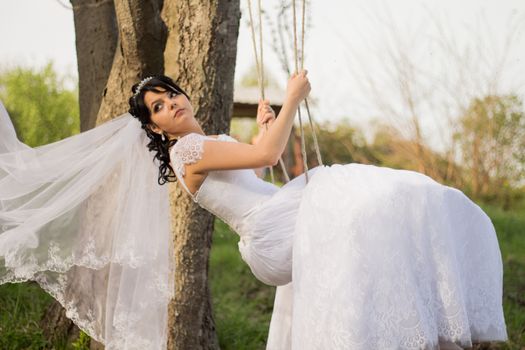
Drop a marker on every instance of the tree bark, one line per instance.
(200, 55)
(96, 35)
(142, 38)
(56, 326)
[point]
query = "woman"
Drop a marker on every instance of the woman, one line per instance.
(379, 258)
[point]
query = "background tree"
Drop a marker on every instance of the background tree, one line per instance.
(200, 53)
(422, 95)
(491, 137)
(96, 33)
(342, 143)
(139, 53)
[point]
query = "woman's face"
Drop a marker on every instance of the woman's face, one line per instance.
(171, 113)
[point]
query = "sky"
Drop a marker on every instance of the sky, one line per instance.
(355, 52)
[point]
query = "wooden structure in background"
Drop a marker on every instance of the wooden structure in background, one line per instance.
(245, 102)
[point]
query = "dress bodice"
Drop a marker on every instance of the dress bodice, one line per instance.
(261, 213)
(231, 195)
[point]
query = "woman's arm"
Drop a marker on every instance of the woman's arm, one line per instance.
(218, 155)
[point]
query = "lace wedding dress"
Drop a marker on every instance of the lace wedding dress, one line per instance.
(379, 258)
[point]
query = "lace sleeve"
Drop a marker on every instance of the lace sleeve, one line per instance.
(187, 150)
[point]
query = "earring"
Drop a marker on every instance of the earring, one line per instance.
(163, 137)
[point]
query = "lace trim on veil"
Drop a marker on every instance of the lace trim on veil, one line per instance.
(86, 219)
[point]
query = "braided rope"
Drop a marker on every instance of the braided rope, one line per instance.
(296, 60)
(260, 73)
(310, 119)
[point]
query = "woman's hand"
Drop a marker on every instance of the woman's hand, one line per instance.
(265, 114)
(298, 87)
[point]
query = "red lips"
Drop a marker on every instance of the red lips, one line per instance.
(179, 112)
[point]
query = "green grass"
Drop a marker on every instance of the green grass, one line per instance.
(510, 228)
(21, 307)
(242, 306)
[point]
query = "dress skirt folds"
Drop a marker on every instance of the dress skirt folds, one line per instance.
(384, 259)
(364, 257)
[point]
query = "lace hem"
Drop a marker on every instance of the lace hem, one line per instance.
(21, 267)
(119, 301)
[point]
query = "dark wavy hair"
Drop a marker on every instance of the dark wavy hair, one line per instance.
(138, 109)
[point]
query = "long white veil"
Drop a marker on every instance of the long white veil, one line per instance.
(86, 219)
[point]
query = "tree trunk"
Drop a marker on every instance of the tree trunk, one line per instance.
(56, 326)
(96, 35)
(142, 38)
(200, 55)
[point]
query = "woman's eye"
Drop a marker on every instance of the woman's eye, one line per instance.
(156, 108)
(172, 94)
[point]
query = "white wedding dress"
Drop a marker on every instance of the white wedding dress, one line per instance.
(365, 257)
(379, 258)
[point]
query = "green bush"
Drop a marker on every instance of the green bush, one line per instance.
(43, 109)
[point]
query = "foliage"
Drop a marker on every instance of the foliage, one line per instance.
(82, 342)
(251, 78)
(42, 109)
(339, 144)
(510, 227)
(242, 305)
(21, 308)
(393, 150)
(343, 143)
(491, 136)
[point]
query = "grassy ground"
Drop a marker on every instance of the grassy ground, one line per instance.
(510, 227)
(21, 307)
(242, 305)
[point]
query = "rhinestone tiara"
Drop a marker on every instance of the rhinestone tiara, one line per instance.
(141, 85)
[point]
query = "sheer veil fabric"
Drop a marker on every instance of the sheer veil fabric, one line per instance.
(86, 219)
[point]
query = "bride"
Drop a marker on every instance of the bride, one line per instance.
(364, 257)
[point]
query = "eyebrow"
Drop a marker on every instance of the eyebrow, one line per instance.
(157, 100)
(160, 98)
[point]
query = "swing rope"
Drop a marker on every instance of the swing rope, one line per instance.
(310, 120)
(296, 60)
(260, 74)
